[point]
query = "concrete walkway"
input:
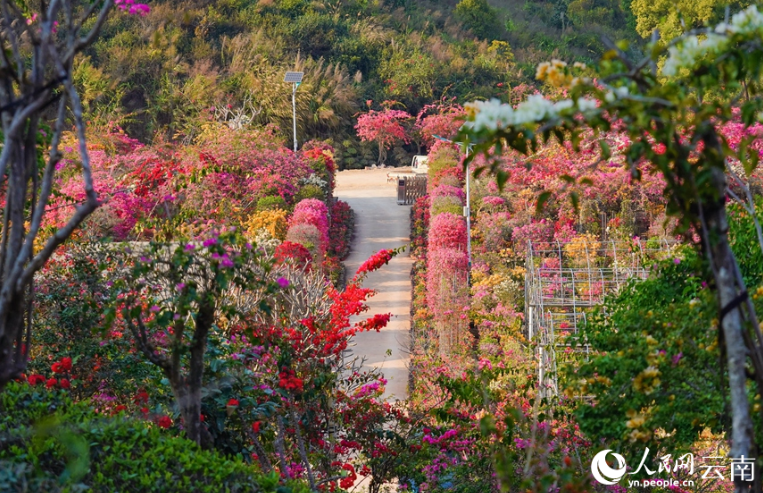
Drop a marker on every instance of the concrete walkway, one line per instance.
(381, 223)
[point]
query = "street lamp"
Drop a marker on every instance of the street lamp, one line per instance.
(467, 213)
(296, 79)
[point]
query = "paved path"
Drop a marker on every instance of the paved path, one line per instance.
(381, 223)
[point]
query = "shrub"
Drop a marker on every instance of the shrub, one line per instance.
(447, 231)
(442, 156)
(449, 191)
(76, 449)
(310, 191)
(446, 270)
(308, 236)
(342, 222)
(288, 250)
(272, 220)
(453, 176)
(315, 213)
(478, 16)
(441, 205)
(271, 202)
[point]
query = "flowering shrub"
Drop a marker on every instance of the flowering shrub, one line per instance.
(272, 220)
(340, 232)
(448, 191)
(315, 213)
(447, 231)
(309, 237)
(449, 204)
(295, 252)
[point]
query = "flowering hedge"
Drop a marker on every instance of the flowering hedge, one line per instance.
(310, 214)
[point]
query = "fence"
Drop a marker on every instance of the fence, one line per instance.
(410, 188)
(564, 281)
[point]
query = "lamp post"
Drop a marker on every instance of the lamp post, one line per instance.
(467, 213)
(296, 79)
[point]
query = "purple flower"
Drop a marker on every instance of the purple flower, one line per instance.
(226, 263)
(676, 260)
(176, 316)
(284, 283)
(677, 358)
(145, 259)
(155, 309)
(180, 286)
(189, 247)
(209, 242)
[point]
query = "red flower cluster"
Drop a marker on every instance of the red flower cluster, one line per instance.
(165, 422)
(35, 379)
(63, 366)
(289, 250)
(233, 403)
(377, 322)
(289, 381)
(375, 262)
(350, 479)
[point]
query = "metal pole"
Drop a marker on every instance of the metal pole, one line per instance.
(468, 214)
(294, 113)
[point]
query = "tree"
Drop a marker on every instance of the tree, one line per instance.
(478, 16)
(38, 49)
(672, 18)
(672, 123)
(172, 299)
(383, 127)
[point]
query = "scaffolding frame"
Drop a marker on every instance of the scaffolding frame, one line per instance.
(564, 280)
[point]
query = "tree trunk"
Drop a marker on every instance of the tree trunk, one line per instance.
(731, 294)
(187, 390)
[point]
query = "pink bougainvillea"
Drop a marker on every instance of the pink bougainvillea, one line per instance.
(447, 231)
(384, 127)
(315, 213)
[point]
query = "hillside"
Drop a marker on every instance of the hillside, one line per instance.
(161, 77)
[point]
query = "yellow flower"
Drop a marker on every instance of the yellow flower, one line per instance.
(542, 70)
(651, 340)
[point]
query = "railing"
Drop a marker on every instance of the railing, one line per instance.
(410, 188)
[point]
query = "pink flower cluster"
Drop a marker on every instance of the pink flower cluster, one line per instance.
(133, 8)
(310, 223)
(447, 231)
(447, 262)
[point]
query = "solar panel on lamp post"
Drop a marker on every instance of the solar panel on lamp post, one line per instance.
(296, 79)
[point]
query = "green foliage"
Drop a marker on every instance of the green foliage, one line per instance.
(271, 202)
(655, 364)
(310, 192)
(672, 18)
(159, 76)
(50, 443)
(478, 16)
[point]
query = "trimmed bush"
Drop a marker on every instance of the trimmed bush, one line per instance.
(271, 202)
(441, 205)
(449, 191)
(447, 231)
(315, 213)
(272, 220)
(295, 252)
(310, 192)
(308, 236)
